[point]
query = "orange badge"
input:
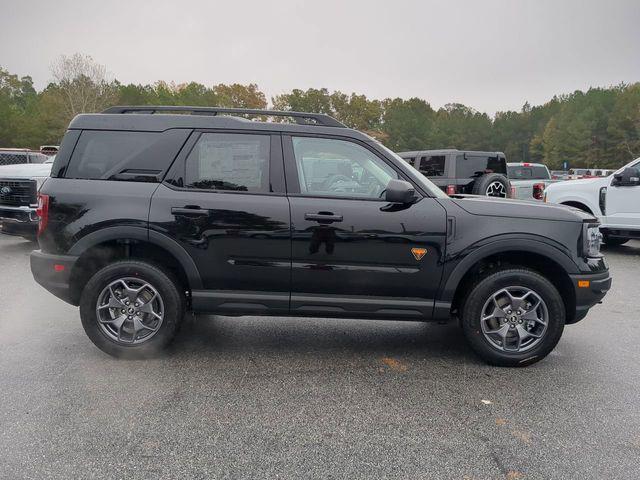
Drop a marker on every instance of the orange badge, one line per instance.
(418, 253)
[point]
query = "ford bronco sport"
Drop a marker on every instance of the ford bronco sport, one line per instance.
(154, 211)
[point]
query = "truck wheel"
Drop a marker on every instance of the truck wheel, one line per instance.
(613, 241)
(131, 309)
(491, 185)
(513, 317)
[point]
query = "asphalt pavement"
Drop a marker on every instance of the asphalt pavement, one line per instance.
(265, 397)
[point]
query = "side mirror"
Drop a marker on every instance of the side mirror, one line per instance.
(629, 177)
(399, 191)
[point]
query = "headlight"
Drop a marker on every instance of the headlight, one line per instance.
(591, 238)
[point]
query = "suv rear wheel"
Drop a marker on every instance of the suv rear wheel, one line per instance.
(513, 317)
(131, 309)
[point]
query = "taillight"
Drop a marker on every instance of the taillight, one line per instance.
(538, 191)
(451, 190)
(42, 212)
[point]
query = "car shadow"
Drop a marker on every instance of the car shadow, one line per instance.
(631, 248)
(269, 336)
(17, 245)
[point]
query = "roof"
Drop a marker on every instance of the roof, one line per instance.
(160, 118)
(525, 164)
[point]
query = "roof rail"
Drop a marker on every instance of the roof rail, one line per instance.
(301, 118)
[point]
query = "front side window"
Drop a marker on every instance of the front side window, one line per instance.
(329, 167)
(229, 161)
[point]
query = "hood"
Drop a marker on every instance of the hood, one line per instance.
(26, 170)
(579, 183)
(506, 207)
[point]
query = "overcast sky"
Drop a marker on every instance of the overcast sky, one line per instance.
(491, 55)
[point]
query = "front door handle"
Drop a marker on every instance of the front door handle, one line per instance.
(190, 211)
(323, 217)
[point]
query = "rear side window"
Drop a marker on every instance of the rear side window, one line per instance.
(474, 166)
(229, 161)
(432, 165)
(124, 155)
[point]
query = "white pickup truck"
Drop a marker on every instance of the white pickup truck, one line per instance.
(615, 200)
(19, 186)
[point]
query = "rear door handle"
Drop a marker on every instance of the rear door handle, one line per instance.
(324, 217)
(190, 210)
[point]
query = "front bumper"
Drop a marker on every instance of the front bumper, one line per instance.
(23, 214)
(53, 272)
(589, 289)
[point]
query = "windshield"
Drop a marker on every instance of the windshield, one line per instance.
(421, 179)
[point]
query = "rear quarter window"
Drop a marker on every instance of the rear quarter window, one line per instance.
(125, 155)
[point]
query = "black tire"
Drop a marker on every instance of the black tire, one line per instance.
(610, 241)
(482, 184)
(167, 288)
(482, 291)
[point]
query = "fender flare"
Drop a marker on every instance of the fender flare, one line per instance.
(504, 245)
(595, 209)
(145, 235)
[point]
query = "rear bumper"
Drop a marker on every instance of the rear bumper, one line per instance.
(53, 272)
(589, 294)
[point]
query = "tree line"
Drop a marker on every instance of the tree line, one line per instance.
(599, 128)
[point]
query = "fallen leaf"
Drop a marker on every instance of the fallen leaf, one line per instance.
(394, 364)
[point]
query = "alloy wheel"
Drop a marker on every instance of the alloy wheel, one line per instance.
(514, 319)
(130, 311)
(496, 189)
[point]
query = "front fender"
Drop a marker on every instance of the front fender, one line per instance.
(505, 244)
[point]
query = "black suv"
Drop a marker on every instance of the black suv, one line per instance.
(150, 213)
(470, 172)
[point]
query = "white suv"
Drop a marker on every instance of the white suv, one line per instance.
(615, 200)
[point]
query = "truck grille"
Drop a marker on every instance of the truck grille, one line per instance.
(18, 192)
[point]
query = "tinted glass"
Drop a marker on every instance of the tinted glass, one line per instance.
(528, 173)
(432, 166)
(328, 167)
(474, 166)
(229, 161)
(117, 155)
(103, 154)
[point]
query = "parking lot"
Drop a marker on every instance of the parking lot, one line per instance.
(290, 398)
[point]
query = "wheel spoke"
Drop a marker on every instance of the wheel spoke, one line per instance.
(116, 322)
(114, 302)
(138, 326)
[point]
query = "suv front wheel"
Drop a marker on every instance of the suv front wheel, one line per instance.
(513, 317)
(131, 309)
